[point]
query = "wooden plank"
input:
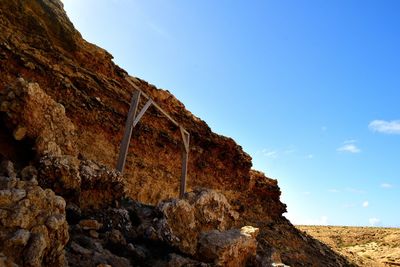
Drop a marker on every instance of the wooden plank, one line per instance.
(185, 134)
(185, 138)
(123, 150)
(141, 113)
(185, 159)
(154, 103)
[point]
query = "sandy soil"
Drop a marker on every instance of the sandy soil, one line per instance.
(365, 246)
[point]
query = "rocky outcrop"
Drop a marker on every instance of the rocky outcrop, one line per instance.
(233, 248)
(183, 220)
(31, 113)
(178, 232)
(82, 182)
(33, 226)
(63, 108)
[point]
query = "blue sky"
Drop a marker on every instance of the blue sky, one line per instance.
(310, 89)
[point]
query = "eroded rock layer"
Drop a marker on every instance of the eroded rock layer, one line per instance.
(63, 109)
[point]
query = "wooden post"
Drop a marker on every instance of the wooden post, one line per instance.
(185, 158)
(123, 150)
(131, 122)
(142, 111)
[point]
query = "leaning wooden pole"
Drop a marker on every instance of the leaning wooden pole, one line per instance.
(185, 159)
(123, 150)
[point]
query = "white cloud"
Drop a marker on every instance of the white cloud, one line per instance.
(387, 127)
(333, 190)
(289, 151)
(374, 221)
(386, 185)
(310, 156)
(355, 191)
(365, 204)
(306, 193)
(349, 148)
(350, 141)
(159, 30)
(270, 154)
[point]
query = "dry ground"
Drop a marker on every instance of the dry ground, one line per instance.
(365, 246)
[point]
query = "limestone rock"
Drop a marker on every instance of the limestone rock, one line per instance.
(33, 228)
(57, 101)
(37, 116)
(90, 224)
(176, 260)
(232, 248)
(7, 169)
(184, 219)
(82, 182)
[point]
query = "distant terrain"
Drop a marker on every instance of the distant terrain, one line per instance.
(365, 246)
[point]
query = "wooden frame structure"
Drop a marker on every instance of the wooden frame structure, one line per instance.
(131, 122)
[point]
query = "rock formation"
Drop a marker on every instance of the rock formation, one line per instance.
(63, 105)
(33, 226)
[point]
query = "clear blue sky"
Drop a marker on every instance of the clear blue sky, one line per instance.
(310, 89)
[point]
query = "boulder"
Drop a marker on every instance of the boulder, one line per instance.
(81, 182)
(34, 114)
(183, 220)
(233, 248)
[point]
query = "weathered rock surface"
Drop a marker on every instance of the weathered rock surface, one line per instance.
(177, 232)
(232, 248)
(184, 219)
(83, 182)
(33, 226)
(31, 113)
(67, 100)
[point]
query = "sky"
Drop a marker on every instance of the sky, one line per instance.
(310, 89)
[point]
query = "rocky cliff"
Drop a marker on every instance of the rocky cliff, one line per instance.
(63, 110)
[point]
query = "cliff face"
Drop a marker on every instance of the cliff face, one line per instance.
(63, 74)
(39, 43)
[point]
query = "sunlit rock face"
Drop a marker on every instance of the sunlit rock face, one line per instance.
(64, 103)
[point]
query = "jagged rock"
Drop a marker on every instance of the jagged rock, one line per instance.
(29, 173)
(228, 248)
(138, 252)
(33, 228)
(87, 252)
(6, 262)
(35, 115)
(176, 260)
(116, 238)
(90, 224)
(80, 250)
(82, 182)
(7, 169)
(184, 219)
(64, 116)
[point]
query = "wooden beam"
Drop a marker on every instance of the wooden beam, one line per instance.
(123, 150)
(185, 159)
(185, 134)
(142, 111)
(185, 138)
(129, 79)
